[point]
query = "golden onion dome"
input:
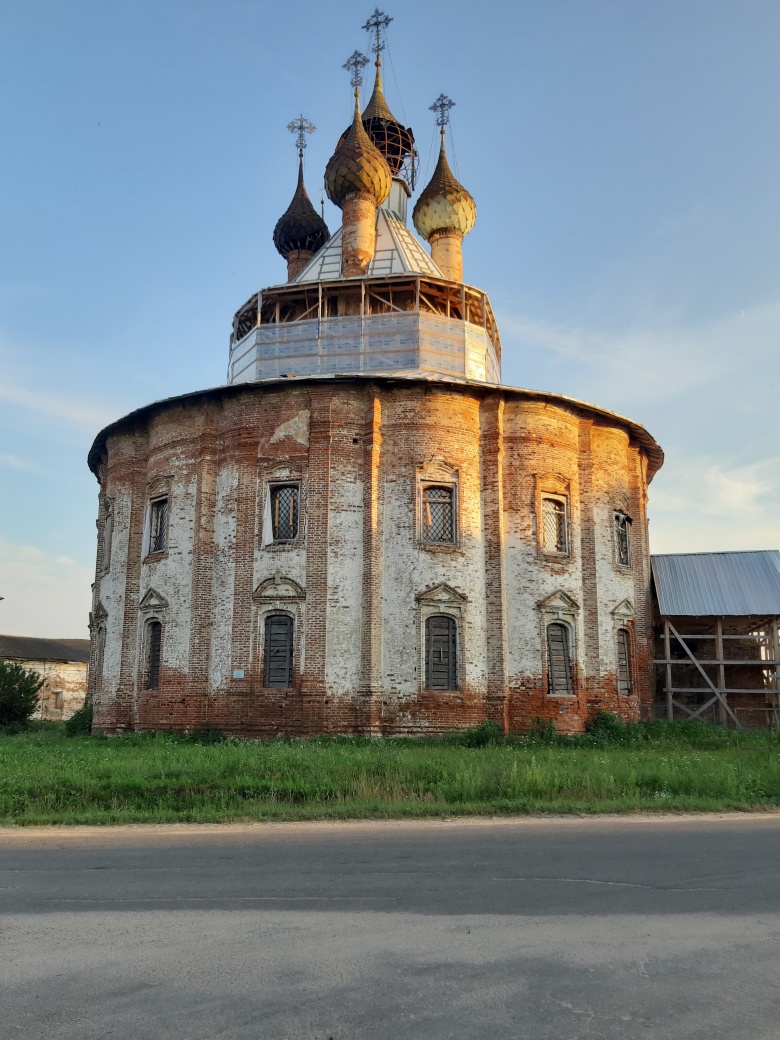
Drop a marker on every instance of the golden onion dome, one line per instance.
(444, 205)
(357, 167)
(300, 226)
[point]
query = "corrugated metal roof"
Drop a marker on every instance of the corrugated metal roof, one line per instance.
(729, 584)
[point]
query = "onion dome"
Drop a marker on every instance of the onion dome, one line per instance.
(394, 141)
(357, 167)
(444, 204)
(300, 226)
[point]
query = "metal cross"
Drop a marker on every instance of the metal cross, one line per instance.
(355, 64)
(441, 107)
(376, 23)
(301, 127)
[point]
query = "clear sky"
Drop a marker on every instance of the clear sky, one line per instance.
(625, 160)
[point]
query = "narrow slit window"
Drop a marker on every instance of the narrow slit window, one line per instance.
(284, 512)
(623, 539)
(558, 659)
(158, 525)
(441, 672)
(278, 650)
(153, 654)
(625, 682)
(438, 515)
(554, 538)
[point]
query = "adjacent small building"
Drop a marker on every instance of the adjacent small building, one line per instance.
(63, 664)
(717, 623)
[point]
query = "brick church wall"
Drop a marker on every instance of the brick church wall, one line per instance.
(359, 582)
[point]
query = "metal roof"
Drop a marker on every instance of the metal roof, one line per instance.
(397, 252)
(727, 584)
(31, 648)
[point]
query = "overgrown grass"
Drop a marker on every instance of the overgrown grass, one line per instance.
(155, 778)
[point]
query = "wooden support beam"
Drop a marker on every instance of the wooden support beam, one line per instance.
(712, 686)
(668, 648)
(722, 718)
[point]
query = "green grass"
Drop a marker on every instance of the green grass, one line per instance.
(46, 778)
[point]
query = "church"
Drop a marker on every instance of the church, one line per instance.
(364, 531)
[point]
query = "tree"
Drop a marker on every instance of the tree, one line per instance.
(19, 687)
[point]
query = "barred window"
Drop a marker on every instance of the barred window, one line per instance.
(278, 650)
(441, 670)
(153, 654)
(625, 682)
(438, 520)
(623, 539)
(158, 525)
(554, 538)
(284, 512)
(558, 659)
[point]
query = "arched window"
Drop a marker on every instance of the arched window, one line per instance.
(153, 654)
(441, 660)
(438, 514)
(625, 681)
(278, 650)
(558, 659)
(284, 512)
(554, 538)
(623, 539)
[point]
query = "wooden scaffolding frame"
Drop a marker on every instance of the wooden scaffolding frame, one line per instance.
(766, 631)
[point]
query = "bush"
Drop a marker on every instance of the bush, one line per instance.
(19, 688)
(204, 735)
(544, 731)
(80, 722)
(486, 734)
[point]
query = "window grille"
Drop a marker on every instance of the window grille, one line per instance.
(623, 539)
(441, 672)
(438, 520)
(158, 525)
(284, 512)
(153, 653)
(108, 529)
(278, 650)
(625, 683)
(554, 525)
(558, 659)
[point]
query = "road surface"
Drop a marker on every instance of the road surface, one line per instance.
(557, 929)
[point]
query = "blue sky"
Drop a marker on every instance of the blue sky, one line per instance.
(625, 161)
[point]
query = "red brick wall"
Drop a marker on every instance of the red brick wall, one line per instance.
(359, 582)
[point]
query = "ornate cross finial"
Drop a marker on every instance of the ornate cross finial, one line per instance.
(355, 64)
(376, 23)
(441, 107)
(301, 127)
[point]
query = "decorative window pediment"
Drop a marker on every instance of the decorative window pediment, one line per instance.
(624, 611)
(553, 483)
(559, 602)
(153, 600)
(436, 469)
(100, 613)
(159, 486)
(272, 590)
(442, 595)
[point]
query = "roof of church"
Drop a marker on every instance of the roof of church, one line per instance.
(31, 648)
(649, 444)
(397, 252)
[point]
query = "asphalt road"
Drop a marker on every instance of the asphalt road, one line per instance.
(541, 930)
